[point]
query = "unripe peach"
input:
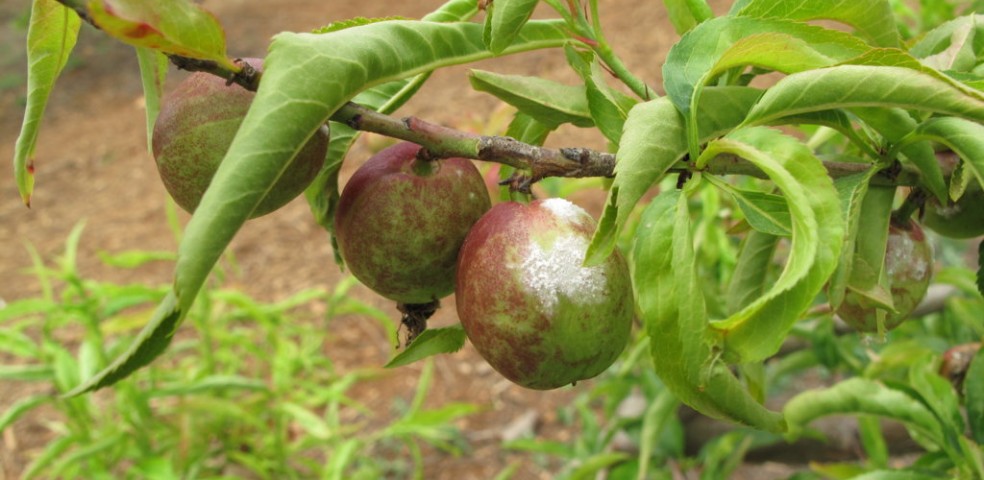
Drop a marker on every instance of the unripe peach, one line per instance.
(194, 130)
(909, 265)
(400, 222)
(961, 219)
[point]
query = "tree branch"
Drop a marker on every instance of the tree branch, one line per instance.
(535, 162)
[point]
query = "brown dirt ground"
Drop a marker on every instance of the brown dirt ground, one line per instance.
(92, 164)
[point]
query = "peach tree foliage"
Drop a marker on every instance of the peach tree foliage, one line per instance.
(887, 103)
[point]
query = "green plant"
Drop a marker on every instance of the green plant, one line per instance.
(768, 187)
(194, 129)
(529, 306)
(247, 389)
(401, 220)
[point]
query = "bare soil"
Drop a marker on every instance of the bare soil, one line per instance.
(93, 166)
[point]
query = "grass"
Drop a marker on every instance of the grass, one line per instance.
(246, 389)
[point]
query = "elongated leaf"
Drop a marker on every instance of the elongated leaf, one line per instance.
(765, 212)
(504, 21)
(873, 19)
(894, 475)
(31, 373)
(873, 440)
(860, 395)
(852, 190)
(758, 330)
(965, 138)
(671, 304)
(211, 384)
(847, 86)
(547, 101)
(284, 114)
(609, 107)
(974, 385)
(177, 27)
(748, 281)
(868, 277)
(590, 467)
(153, 71)
(980, 267)
(653, 140)
(681, 16)
(51, 37)
(725, 42)
(937, 394)
(433, 341)
(959, 33)
(20, 407)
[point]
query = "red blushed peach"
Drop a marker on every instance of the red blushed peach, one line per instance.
(528, 304)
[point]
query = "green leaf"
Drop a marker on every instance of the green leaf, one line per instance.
(51, 37)
(211, 384)
(748, 281)
(726, 42)
(433, 341)
(589, 468)
(354, 22)
(937, 393)
(974, 386)
(177, 27)
(951, 46)
(867, 269)
(846, 86)
(148, 345)
(31, 373)
(873, 19)
(683, 16)
(153, 71)
(860, 395)
(757, 331)
(765, 212)
(653, 141)
(873, 440)
(980, 267)
(672, 307)
(609, 107)
(20, 407)
(852, 190)
(965, 138)
(547, 101)
(135, 258)
(894, 475)
(504, 20)
(893, 124)
(283, 115)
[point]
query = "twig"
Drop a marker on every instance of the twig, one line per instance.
(535, 162)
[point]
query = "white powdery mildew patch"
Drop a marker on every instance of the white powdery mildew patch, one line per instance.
(900, 258)
(564, 209)
(550, 273)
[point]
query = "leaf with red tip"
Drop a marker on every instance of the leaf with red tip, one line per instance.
(175, 27)
(50, 39)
